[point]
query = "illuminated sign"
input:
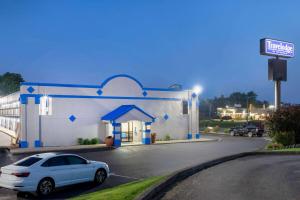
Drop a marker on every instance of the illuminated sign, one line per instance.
(271, 47)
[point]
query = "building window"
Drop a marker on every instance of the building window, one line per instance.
(45, 105)
(185, 107)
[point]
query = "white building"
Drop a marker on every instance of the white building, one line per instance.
(58, 114)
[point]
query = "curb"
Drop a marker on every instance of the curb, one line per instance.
(157, 191)
(63, 150)
(95, 148)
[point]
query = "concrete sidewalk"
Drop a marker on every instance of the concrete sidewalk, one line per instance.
(98, 147)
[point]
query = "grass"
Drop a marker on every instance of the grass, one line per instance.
(289, 150)
(123, 192)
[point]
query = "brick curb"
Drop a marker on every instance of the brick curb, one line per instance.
(157, 191)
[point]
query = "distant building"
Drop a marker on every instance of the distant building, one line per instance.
(238, 113)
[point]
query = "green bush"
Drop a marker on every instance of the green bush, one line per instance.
(94, 141)
(274, 146)
(167, 137)
(86, 142)
(226, 130)
(284, 125)
(80, 141)
(216, 128)
(221, 124)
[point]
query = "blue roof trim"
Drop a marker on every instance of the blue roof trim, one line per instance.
(122, 110)
(164, 89)
(99, 97)
(100, 86)
(60, 85)
(122, 75)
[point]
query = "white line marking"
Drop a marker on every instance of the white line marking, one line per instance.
(113, 174)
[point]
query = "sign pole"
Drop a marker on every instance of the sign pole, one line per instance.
(277, 94)
(277, 100)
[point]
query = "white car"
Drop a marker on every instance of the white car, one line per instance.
(42, 173)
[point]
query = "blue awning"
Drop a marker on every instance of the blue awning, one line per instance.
(122, 110)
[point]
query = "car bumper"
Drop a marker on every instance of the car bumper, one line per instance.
(18, 185)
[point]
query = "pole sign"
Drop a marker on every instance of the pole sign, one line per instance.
(271, 47)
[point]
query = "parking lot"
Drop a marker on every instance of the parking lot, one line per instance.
(138, 162)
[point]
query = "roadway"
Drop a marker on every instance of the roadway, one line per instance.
(253, 177)
(137, 162)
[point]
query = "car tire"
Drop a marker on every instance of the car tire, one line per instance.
(100, 176)
(250, 134)
(45, 187)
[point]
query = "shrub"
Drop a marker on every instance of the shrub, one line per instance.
(284, 125)
(226, 130)
(94, 141)
(274, 146)
(80, 141)
(167, 137)
(216, 128)
(86, 142)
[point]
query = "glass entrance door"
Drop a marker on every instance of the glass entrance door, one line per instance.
(127, 131)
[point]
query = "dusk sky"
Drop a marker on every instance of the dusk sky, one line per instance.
(212, 43)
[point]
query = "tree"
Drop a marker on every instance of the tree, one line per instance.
(10, 82)
(284, 125)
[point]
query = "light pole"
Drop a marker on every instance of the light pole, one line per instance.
(197, 90)
(248, 97)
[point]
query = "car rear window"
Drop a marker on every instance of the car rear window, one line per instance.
(28, 161)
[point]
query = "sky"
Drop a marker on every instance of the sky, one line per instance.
(160, 42)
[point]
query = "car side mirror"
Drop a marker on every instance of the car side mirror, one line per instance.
(88, 162)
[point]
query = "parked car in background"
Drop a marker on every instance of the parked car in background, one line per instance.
(42, 173)
(249, 130)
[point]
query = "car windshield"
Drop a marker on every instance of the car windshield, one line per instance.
(28, 161)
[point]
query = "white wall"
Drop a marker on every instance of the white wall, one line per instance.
(58, 130)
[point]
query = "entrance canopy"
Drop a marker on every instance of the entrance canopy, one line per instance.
(126, 113)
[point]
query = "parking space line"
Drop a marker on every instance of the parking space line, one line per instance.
(129, 177)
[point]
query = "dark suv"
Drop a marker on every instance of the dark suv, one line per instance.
(249, 130)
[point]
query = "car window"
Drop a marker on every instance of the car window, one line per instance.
(56, 161)
(75, 160)
(28, 161)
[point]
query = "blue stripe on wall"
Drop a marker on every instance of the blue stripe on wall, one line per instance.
(99, 97)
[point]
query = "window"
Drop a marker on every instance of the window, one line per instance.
(56, 161)
(75, 160)
(185, 107)
(28, 161)
(45, 105)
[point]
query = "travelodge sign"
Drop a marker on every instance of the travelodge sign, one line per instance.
(271, 47)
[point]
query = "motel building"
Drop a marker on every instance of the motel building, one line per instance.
(48, 114)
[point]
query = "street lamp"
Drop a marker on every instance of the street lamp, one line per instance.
(197, 90)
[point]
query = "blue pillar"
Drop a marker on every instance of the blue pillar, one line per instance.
(117, 134)
(147, 135)
(23, 144)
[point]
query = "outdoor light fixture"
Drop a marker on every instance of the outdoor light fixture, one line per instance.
(197, 89)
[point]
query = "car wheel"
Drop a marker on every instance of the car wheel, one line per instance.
(45, 187)
(250, 134)
(100, 176)
(232, 133)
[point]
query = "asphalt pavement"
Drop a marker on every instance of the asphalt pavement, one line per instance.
(137, 162)
(270, 177)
